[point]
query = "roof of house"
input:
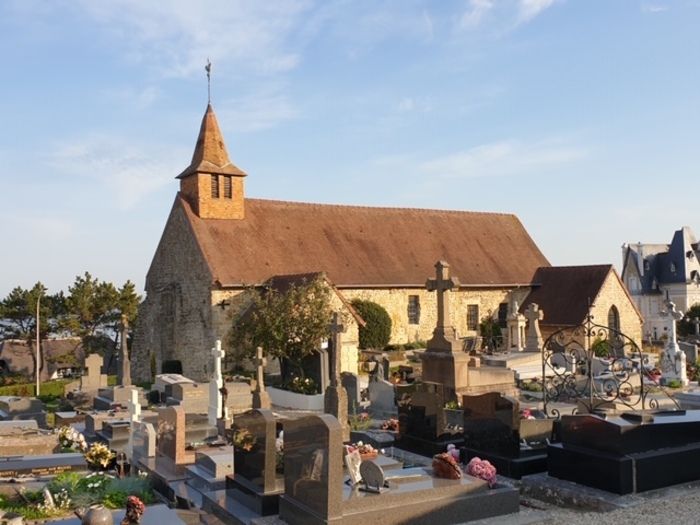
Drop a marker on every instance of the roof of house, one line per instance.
(364, 246)
(59, 353)
(563, 293)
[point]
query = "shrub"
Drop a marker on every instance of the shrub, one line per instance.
(600, 348)
(377, 332)
(415, 345)
(359, 422)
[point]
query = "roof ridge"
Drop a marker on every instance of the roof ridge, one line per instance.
(567, 267)
(381, 208)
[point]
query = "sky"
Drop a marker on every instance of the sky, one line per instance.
(579, 116)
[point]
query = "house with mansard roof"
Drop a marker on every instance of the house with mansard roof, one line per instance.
(217, 243)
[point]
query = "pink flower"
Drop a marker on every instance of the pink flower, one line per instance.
(482, 469)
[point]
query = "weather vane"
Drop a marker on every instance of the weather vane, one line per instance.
(208, 70)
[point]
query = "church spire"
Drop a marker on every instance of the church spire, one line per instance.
(210, 155)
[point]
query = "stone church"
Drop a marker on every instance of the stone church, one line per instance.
(217, 243)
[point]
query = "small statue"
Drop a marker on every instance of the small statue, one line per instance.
(134, 510)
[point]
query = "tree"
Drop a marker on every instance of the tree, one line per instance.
(18, 316)
(288, 325)
(686, 327)
(377, 331)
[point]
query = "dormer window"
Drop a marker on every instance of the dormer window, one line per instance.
(214, 186)
(690, 254)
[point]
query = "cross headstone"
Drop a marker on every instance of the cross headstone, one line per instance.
(534, 337)
(673, 360)
(125, 364)
(335, 400)
(134, 406)
(261, 399)
(215, 384)
(442, 283)
(94, 378)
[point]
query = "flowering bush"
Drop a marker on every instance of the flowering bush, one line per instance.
(365, 449)
(482, 469)
(243, 439)
(301, 385)
(71, 439)
(99, 456)
(391, 424)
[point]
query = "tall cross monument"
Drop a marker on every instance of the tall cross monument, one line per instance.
(445, 335)
(261, 399)
(216, 382)
(335, 400)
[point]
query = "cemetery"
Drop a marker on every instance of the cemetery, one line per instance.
(449, 435)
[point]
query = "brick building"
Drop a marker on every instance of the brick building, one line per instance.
(217, 242)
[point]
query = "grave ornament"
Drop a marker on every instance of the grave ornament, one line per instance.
(372, 477)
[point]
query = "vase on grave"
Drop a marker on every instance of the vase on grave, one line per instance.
(96, 515)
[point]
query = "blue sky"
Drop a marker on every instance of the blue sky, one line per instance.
(579, 116)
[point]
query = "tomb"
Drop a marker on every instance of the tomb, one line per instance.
(629, 453)
(495, 431)
(18, 408)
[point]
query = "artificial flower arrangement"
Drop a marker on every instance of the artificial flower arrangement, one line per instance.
(99, 456)
(134, 510)
(446, 466)
(366, 450)
(71, 439)
(482, 469)
(243, 440)
(391, 424)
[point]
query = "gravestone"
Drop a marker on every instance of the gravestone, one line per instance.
(93, 379)
(352, 388)
(116, 397)
(261, 399)
(239, 398)
(216, 405)
(134, 409)
(192, 397)
(335, 400)
(516, 329)
(255, 469)
(690, 350)
(494, 430)
(534, 337)
(317, 367)
(382, 398)
(164, 383)
(171, 435)
(18, 408)
(673, 359)
(124, 369)
(211, 468)
(313, 471)
(630, 453)
(143, 438)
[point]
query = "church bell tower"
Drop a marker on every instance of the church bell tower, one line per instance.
(211, 183)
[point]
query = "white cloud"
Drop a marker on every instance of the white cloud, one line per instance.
(265, 109)
(650, 8)
(529, 9)
(177, 36)
(128, 171)
(476, 12)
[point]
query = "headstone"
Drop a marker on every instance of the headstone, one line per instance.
(134, 418)
(14, 408)
(313, 470)
(216, 383)
(93, 379)
(124, 369)
(673, 359)
(261, 399)
(690, 350)
(164, 382)
(696, 323)
(386, 368)
(352, 388)
(239, 398)
(143, 437)
(171, 435)
(534, 337)
(516, 329)
(382, 397)
(256, 465)
(46, 465)
(336, 398)
(193, 397)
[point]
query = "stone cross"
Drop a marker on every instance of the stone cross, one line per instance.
(696, 322)
(134, 406)
(674, 316)
(442, 283)
(336, 328)
(260, 363)
(534, 337)
(125, 361)
(215, 384)
(673, 360)
(261, 399)
(516, 328)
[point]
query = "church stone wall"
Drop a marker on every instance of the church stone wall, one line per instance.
(612, 293)
(175, 319)
(395, 301)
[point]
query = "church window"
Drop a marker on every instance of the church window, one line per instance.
(214, 186)
(614, 318)
(472, 317)
(413, 309)
(502, 315)
(227, 187)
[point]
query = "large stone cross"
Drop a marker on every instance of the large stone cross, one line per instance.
(124, 351)
(674, 316)
(534, 337)
(260, 363)
(216, 383)
(218, 354)
(134, 406)
(336, 329)
(442, 283)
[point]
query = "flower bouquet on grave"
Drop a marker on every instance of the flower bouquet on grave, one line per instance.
(482, 469)
(366, 451)
(243, 440)
(391, 424)
(71, 440)
(446, 466)
(99, 457)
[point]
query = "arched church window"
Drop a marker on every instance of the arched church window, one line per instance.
(614, 318)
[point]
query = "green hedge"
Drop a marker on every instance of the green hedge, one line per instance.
(377, 332)
(50, 388)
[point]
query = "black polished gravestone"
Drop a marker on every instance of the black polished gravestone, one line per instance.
(40, 466)
(629, 453)
(494, 430)
(422, 424)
